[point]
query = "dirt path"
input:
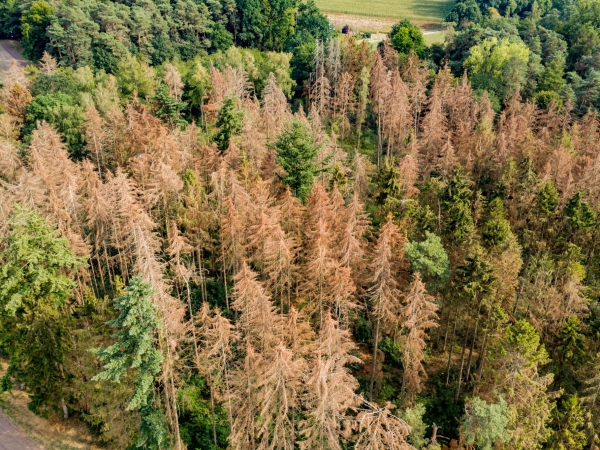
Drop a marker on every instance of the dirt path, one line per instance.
(8, 54)
(11, 438)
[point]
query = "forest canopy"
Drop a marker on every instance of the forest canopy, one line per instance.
(225, 225)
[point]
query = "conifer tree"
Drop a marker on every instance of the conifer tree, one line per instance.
(258, 321)
(379, 429)
(296, 153)
(135, 346)
(385, 296)
(515, 372)
(329, 390)
(418, 314)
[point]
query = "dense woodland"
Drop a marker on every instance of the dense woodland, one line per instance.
(238, 236)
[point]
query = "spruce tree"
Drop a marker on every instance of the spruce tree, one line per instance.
(135, 345)
(297, 152)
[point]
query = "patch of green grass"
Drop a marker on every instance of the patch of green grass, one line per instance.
(415, 10)
(435, 38)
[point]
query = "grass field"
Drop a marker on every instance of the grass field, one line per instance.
(420, 12)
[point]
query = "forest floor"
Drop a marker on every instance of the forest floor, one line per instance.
(55, 433)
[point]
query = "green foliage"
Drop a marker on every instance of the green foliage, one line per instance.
(474, 279)
(134, 348)
(547, 198)
(570, 434)
(389, 179)
(497, 228)
(229, 123)
(406, 37)
(544, 98)
(485, 424)
(414, 418)
(196, 417)
(60, 111)
(10, 20)
(296, 153)
(578, 212)
(266, 24)
(572, 341)
(464, 10)
(166, 107)
(456, 200)
(36, 267)
(429, 259)
(34, 22)
(521, 338)
(134, 75)
(154, 429)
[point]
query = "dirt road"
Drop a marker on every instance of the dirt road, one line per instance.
(11, 438)
(8, 54)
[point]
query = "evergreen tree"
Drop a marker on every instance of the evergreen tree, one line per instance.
(429, 259)
(485, 425)
(570, 425)
(36, 271)
(135, 346)
(229, 123)
(297, 152)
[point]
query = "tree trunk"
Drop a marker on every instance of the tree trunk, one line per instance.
(64, 408)
(375, 347)
(450, 354)
(462, 365)
(471, 351)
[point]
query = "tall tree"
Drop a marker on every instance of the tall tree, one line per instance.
(36, 284)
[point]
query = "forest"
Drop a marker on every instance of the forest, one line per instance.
(226, 225)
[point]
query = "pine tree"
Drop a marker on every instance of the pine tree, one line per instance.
(258, 321)
(229, 123)
(279, 385)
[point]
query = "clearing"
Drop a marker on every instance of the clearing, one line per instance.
(9, 54)
(380, 15)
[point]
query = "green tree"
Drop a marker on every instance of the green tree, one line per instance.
(296, 152)
(229, 123)
(33, 24)
(167, 107)
(456, 200)
(514, 371)
(491, 55)
(578, 212)
(429, 259)
(547, 198)
(10, 23)
(570, 426)
(497, 228)
(71, 33)
(135, 345)
(485, 425)
(36, 269)
(406, 37)
(60, 111)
